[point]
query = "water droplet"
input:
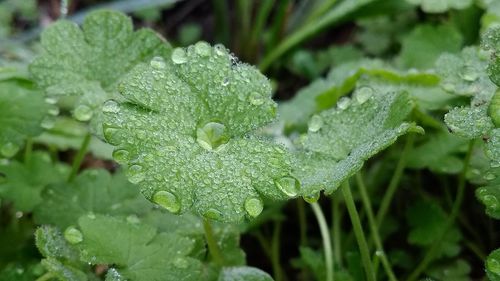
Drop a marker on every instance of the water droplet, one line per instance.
(112, 135)
(51, 100)
(121, 156)
(225, 82)
(490, 201)
(202, 49)
(91, 215)
(256, 98)
(343, 103)
(315, 123)
(363, 94)
(212, 135)
(135, 174)
(9, 149)
(288, 185)
(83, 113)
(167, 200)
(73, 235)
(48, 122)
(181, 263)
(253, 206)
(469, 74)
(179, 56)
(220, 50)
(53, 110)
(133, 219)
(111, 106)
(449, 87)
(489, 176)
(158, 63)
(213, 214)
(311, 198)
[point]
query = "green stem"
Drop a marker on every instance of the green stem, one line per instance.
(263, 243)
(28, 150)
(394, 183)
(431, 253)
(275, 252)
(337, 222)
(47, 276)
(380, 253)
(214, 249)
(279, 20)
(221, 21)
(302, 222)
(262, 15)
(79, 157)
(358, 231)
(327, 244)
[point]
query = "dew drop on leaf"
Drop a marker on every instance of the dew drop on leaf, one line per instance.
(51, 100)
(112, 135)
(490, 201)
(181, 263)
(83, 113)
(158, 63)
(179, 56)
(48, 122)
(253, 206)
(489, 176)
(256, 98)
(311, 198)
(91, 215)
(167, 200)
(213, 214)
(133, 219)
(111, 106)
(73, 235)
(212, 135)
(344, 103)
(288, 185)
(469, 74)
(315, 123)
(135, 174)
(363, 94)
(202, 49)
(9, 149)
(121, 156)
(53, 110)
(225, 82)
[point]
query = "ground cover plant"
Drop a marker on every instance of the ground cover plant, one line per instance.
(250, 140)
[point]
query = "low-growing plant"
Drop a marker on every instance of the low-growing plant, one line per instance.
(189, 153)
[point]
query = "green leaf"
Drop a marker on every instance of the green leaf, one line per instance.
(23, 183)
(243, 273)
(458, 270)
(22, 110)
(441, 6)
(341, 139)
(88, 62)
(186, 136)
(136, 251)
(490, 197)
(92, 191)
(63, 272)
(493, 147)
(422, 46)
(440, 153)
(493, 265)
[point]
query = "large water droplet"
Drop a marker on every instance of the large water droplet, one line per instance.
(9, 149)
(83, 113)
(212, 135)
(220, 49)
(256, 98)
(121, 156)
(53, 110)
(202, 49)
(288, 185)
(363, 94)
(167, 200)
(311, 198)
(179, 56)
(73, 235)
(253, 206)
(315, 123)
(213, 214)
(135, 174)
(51, 100)
(111, 106)
(158, 63)
(112, 135)
(343, 103)
(48, 122)
(469, 74)
(490, 201)
(489, 176)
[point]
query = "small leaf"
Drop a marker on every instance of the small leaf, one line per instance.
(441, 6)
(493, 265)
(243, 273)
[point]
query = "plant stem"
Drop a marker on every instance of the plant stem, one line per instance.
(47, 276)
(327, 243)
(429, 256)
(302, 222)
(337, 219)
(394, 183)
(79, 157)
(358, 231)
(214, 249)
(28, 150)
(221, 21)
(263, 243)
(275, 252)
(262, 15)
(373, 227)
